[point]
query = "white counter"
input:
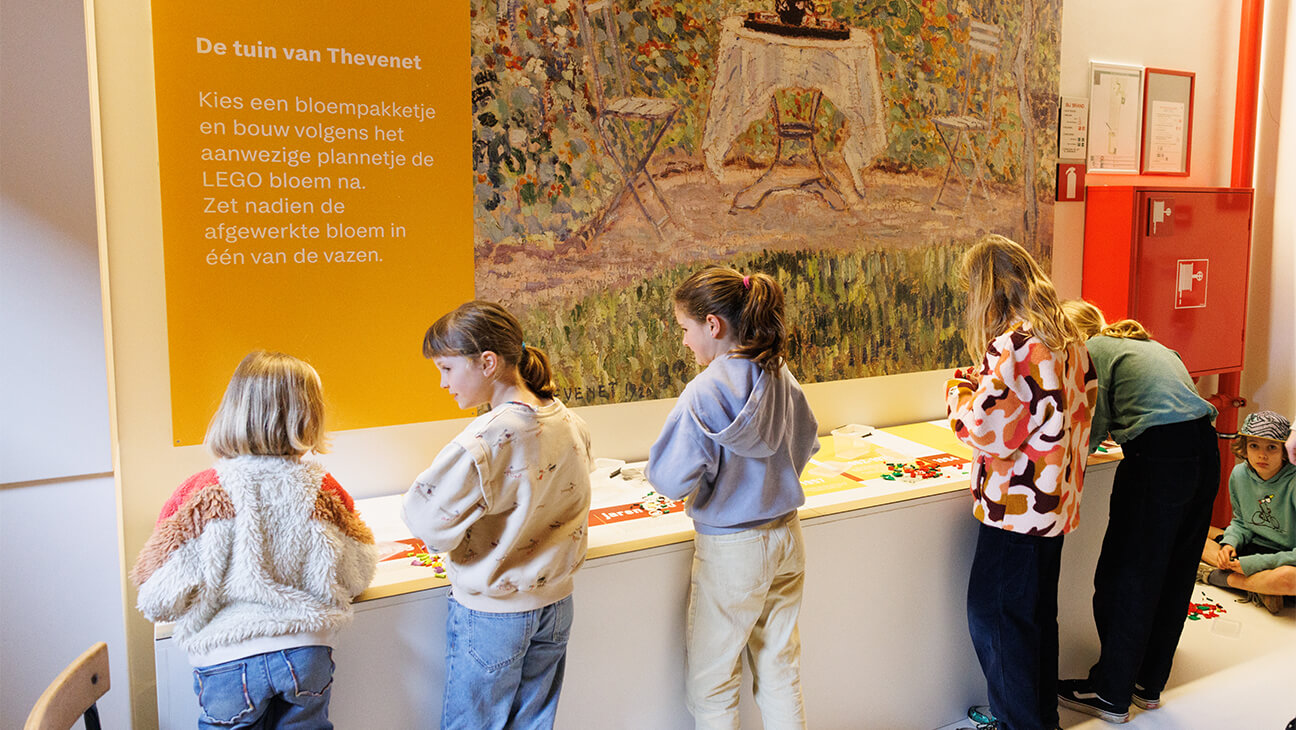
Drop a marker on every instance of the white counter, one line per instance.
(883, 625)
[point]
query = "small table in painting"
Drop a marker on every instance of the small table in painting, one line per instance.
(751, 66)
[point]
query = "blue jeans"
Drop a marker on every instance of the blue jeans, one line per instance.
(279, 689)
(1012, 616)
(504, 669)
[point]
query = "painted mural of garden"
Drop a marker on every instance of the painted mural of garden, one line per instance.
(566, 111)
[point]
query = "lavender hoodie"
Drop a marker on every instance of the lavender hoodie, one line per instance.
(735, 445)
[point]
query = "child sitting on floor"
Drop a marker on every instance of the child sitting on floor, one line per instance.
(1257, 552)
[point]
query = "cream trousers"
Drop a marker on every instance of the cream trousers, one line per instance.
(745, 597)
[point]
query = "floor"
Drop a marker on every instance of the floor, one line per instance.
(1236, 670)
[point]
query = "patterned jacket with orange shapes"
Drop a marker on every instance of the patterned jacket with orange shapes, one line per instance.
(260, 553)
(1027, 419)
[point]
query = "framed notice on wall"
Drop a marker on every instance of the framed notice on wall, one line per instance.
(1115, 107)
(1167, 121)
(315, 166)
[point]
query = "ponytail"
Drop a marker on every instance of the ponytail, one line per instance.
(1129, 329)
(536, 373)
(1090, 321)
(752, 305)
(479, 326)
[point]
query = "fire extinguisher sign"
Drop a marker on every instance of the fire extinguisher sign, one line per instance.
(1190, 283)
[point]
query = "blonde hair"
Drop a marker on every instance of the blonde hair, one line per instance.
(479, 326)
(1086, 317)
(1090, 321)
(273, 406)
(1006, 286)
(752, 305)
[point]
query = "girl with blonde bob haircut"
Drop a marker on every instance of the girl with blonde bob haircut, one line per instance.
(256, 560)
(1160, 510)
(273, 406)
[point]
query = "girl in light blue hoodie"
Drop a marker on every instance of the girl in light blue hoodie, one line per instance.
(735, 445)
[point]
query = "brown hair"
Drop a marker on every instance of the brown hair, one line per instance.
(1006, 286)
(273, 406)
(752, 305)
(1239, 447)
(478, 326)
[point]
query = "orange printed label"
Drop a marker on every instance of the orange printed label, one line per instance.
(316, 196)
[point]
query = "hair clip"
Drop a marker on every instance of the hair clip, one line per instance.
(746, 282)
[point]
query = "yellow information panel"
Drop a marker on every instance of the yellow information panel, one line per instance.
(316, 195)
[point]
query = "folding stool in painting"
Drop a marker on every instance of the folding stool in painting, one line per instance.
(795, 130)
(630, 127)
(959, 130)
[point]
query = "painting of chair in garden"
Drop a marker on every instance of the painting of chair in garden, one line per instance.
(630, 127)
(621, 144)
(961, 132)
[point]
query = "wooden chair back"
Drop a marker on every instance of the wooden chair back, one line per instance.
(73, 693)
(601, 37)
(980, 60)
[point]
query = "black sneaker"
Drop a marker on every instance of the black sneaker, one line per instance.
(1077, 695)
(1145, 698)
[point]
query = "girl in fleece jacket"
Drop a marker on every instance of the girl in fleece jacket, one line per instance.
(257, 559)
(508, 500)
(1025, 411)
(735, 445)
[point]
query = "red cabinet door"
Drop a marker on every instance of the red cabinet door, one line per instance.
(1190, 281)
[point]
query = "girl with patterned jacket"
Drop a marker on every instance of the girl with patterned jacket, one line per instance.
(508, 500)
(1025, 412)
(257, 559)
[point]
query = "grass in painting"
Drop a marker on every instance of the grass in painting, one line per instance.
(850, 315)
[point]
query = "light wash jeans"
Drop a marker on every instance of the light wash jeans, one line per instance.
(280, 689)
(746, 597)
(504, 670)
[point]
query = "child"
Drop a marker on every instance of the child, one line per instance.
(735, 445)
(1025, 411)
(1257, 552)
(1160, 510)
(258, 558)
(508, 499)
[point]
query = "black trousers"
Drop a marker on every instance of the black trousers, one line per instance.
(1160, 513)
(1012, 616)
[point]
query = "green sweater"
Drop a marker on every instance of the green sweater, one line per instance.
(1141, 383)
(1264, 516)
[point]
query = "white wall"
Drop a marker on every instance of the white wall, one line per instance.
(52, 396)
(58, 510)
(1191, 35)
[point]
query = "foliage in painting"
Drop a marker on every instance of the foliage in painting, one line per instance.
(891, 308)
(541, 177)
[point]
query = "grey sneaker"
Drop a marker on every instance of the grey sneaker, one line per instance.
(1203, 573)
(1273, 604)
